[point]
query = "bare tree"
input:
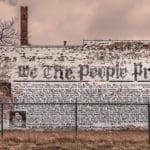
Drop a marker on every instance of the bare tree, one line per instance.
(8, 33)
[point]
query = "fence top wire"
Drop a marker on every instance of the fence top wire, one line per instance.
(76, 103)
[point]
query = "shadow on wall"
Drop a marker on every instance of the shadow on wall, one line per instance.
(5, 92)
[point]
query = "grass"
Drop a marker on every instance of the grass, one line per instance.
(86, 140)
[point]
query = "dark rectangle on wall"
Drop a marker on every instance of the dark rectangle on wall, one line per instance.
(17, 119)
(5, 89)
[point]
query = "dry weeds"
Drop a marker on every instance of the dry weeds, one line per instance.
(87, 140)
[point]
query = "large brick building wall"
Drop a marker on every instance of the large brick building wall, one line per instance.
(95, 72)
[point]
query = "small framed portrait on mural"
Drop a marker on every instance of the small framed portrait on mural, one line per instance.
(17, 119)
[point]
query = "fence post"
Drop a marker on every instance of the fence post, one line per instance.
(2, 129)
(76, 118)
(148, 122)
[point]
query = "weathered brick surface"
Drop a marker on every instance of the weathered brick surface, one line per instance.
(92, 53)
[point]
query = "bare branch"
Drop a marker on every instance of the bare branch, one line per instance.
(8, 34)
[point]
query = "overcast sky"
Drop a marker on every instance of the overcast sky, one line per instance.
(53, 21)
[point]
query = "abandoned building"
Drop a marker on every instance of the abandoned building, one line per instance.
(94, 74)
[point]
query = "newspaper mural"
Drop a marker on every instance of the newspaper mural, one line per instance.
(95, 72)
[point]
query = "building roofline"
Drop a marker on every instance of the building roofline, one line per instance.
(70, 46)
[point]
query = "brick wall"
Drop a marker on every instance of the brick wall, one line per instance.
(97, 90)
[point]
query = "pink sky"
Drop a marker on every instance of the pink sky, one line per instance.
(53, 21)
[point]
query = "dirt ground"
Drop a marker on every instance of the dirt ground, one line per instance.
(86, 140)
